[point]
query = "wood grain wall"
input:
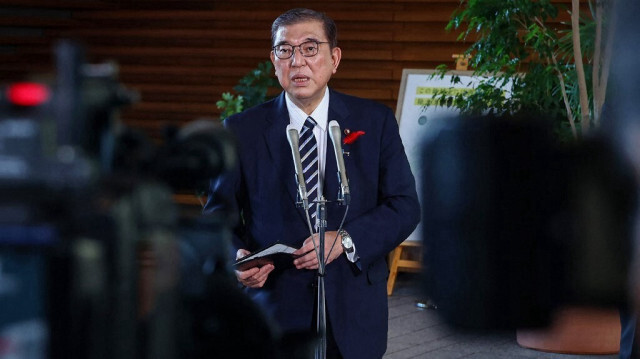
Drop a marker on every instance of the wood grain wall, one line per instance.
(182, 55)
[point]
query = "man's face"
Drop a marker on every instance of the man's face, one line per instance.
(305, 78)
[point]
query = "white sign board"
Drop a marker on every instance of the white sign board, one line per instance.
(416, 113)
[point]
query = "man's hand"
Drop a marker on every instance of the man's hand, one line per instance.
(310, 259)
(254, 277)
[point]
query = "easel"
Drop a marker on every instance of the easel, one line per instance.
(404, 259)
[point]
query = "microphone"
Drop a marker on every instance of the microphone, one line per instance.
(294, 138)
(334, 132)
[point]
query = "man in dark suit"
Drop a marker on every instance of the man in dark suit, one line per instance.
(383, 210)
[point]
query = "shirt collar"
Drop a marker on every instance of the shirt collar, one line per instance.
(320, 114)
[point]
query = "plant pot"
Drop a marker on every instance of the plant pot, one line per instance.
(576, 330)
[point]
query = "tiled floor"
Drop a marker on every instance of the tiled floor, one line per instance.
(420, 333)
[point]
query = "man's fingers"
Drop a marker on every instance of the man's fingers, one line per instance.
(241, 253)
(306, 247)
(263, 274)
(247, 273)
(255, 277)
(308, 261)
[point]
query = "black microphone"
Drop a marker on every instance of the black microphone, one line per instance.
(334, 133)
(294, 138)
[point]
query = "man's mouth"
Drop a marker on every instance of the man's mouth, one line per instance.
(300, 79)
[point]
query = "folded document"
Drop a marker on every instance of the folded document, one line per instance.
(277, 253)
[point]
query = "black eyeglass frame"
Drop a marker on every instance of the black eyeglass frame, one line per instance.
(293, 49)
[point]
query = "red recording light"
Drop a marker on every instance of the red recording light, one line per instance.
(28, 94)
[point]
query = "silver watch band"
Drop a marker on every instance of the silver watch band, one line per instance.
(352, 254)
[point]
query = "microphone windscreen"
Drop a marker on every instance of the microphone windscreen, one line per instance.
(334, 132)
(293, 136)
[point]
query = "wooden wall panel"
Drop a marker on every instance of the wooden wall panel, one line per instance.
(182, 55)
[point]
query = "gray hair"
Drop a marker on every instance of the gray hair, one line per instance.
(296, 16)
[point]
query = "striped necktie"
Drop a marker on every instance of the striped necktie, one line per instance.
(309, 155)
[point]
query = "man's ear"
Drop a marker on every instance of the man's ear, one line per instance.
(336, 55)
(272, 56)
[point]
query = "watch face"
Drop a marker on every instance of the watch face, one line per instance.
(346, 242)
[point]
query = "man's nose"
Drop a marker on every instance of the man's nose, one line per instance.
(297, 59)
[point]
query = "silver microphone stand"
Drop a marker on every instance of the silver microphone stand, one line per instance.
(321, 314)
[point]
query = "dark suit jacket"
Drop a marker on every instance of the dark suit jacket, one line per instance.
(384, 210)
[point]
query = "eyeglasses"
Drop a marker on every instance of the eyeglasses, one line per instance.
(307, 49)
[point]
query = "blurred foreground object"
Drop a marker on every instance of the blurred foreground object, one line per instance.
(517, 226)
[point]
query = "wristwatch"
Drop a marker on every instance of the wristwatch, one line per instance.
(348, 246)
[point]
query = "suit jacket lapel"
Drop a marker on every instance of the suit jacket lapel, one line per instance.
(278, 146)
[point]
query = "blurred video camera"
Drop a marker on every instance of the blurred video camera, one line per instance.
(96, 259)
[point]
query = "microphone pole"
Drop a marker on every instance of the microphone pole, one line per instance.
(321, 315)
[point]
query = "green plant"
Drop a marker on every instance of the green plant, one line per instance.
(251, 90)
(522, 42)
(230, 104)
